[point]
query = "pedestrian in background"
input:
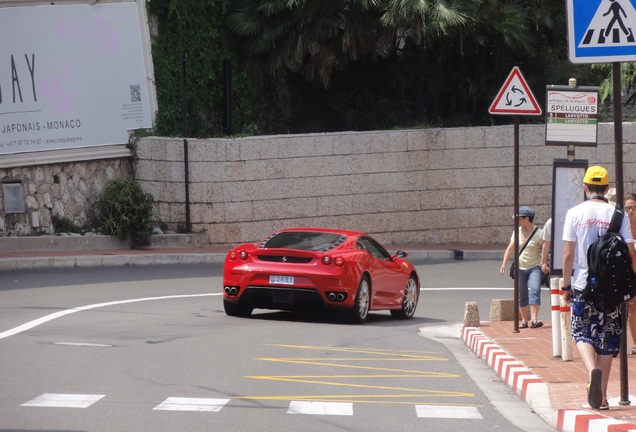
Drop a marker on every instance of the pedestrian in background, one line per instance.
(596, 332)
(529, 267)
(546, 236)
(630, 209)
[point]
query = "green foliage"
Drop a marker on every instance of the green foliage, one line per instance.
(64, 224)
(196, 31)
(125, 211)
(329, 65)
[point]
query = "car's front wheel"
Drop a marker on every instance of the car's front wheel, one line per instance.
(362, 302)
(236, 309)
(409, 302)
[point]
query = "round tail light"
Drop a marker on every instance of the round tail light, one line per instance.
(326, 259)
(339, 261)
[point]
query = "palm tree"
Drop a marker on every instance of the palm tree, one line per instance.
(450, 56)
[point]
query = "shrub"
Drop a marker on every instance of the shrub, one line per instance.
(64, 224)
(125, 211)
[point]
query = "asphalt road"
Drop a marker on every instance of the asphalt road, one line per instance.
(150, 349)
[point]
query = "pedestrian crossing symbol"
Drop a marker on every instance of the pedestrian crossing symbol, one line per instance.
(601, 31)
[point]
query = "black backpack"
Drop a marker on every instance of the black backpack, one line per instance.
(610, 278)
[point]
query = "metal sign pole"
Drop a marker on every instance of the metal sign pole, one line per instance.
(516, 232)
(186, 132)
(618, 162)
(515, 98)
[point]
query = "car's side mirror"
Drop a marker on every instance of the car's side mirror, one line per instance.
(401, 254)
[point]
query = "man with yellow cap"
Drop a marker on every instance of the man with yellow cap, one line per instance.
(596, 332)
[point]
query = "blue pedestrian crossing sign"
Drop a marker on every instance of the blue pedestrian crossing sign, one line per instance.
(601, 31)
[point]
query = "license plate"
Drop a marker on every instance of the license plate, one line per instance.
(281, 280)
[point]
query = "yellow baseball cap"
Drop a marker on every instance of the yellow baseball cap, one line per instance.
(596, 175)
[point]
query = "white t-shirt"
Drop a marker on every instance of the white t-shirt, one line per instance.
(583, 224)
(546, 235)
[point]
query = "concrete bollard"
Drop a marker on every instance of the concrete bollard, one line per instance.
(566, 327)
(502, 310)
(471, 315)
(556, 317)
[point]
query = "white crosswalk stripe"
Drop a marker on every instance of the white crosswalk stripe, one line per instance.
(455, 412)
(58, 400)
(320, 408)
(191, 404)
(62, 400)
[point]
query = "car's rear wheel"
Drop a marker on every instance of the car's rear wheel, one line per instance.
(362, 302)
(236, 309)
(409, 302)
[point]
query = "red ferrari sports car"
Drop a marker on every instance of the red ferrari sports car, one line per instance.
(316, 268)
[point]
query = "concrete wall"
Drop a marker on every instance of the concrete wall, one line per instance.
(414, 186)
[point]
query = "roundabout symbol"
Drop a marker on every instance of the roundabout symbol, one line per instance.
(515, 97)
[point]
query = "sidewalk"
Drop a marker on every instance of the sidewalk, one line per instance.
(553, 388)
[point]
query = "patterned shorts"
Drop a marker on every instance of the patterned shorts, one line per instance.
(602, 330)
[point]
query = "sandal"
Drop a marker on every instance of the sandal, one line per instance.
(523, 324)
(604, 406)
(536, 324)
(594, 390)
(633, 350)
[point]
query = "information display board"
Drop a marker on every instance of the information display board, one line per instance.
(568, 191)
(571, 116)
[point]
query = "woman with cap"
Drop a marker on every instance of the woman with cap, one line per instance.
(529, 267)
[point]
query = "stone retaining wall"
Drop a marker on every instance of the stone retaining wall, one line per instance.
(66, 190)
(430, 186)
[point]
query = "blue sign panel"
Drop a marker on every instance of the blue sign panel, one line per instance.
(601, 31)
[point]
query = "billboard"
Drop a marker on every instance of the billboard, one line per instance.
(71, 76)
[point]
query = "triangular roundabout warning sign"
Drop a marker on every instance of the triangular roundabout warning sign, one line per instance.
(515, 97)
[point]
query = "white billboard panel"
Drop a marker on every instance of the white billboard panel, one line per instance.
(71, 76)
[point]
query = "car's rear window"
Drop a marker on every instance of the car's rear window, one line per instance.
(314, 241)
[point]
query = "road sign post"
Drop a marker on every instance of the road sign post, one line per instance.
(515, 98)
(604, 31)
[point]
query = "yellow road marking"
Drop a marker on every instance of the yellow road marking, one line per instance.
(338, 384)
(415, 375)
(357, 398)
(412, 395)
(282, 360)
(428, 358)
(356, 350)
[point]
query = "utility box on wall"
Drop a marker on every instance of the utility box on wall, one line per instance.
(13, 197)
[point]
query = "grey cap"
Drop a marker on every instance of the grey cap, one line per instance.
(525, 211)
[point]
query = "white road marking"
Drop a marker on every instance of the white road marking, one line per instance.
(192, 404)
(58, 400)
(320, 408)
(61, 400)
(83, 344)
(455, 412)
(51, 317)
